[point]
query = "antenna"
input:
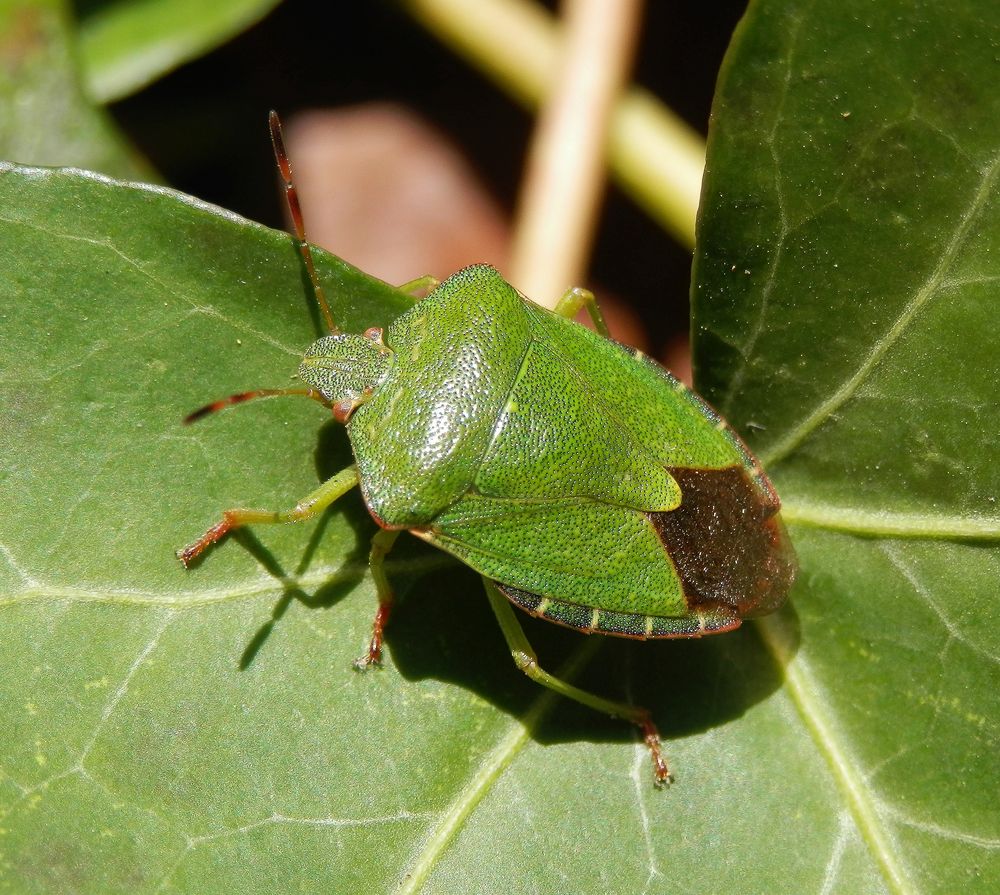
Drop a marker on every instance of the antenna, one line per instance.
(292, 197)
(240, 398)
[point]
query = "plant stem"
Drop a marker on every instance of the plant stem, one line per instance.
(656, 157)
(564, 174)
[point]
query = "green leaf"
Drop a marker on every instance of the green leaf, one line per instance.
(201, 731)
(126, 45)
(845, 312)
(45, 118)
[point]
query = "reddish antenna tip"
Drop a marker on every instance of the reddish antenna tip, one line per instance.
(280, 153)
(292, 198)
(257, 393)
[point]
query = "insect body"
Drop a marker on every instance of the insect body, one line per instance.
(580, 479)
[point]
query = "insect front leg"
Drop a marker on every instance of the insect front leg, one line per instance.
(419, 287)
(382, 542)
(527, 661)
(576, 298)
(310, 506)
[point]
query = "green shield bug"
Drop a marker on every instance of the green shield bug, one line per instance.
(584, 483)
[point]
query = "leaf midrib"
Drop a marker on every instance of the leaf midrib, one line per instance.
(488, 773)
(802, 689)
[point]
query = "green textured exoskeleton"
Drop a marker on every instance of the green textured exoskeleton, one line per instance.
(591, 485)
(585, 484)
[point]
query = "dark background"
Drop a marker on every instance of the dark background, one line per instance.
(204, 126)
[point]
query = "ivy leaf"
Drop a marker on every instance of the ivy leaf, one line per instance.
(845, 303)
(201, 731)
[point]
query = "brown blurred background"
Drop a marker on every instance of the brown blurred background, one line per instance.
(424, 180)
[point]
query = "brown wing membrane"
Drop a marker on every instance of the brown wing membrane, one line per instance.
(727, 542)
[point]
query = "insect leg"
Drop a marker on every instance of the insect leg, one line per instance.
(576, 298)
(527, 661)
(309, 506)
(419, 287)
(382, 543)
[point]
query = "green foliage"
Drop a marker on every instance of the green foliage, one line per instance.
(844, 309)
(202, 731)
(125, 45)
(45, 115)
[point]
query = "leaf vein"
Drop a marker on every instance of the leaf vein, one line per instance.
(849, 388)
(837, 854)
(166, 287)
(757, 329)
(486, 776)
(193, 599)
(804, 692)
(988, 843)
(950, 626)
(890, 524)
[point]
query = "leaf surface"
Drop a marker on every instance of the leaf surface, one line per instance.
(201, 731)
(845, 300)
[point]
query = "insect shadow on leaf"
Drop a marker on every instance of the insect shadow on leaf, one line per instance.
(332, 452)
(442, 631)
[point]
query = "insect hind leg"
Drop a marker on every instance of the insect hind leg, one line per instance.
(526, 660)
